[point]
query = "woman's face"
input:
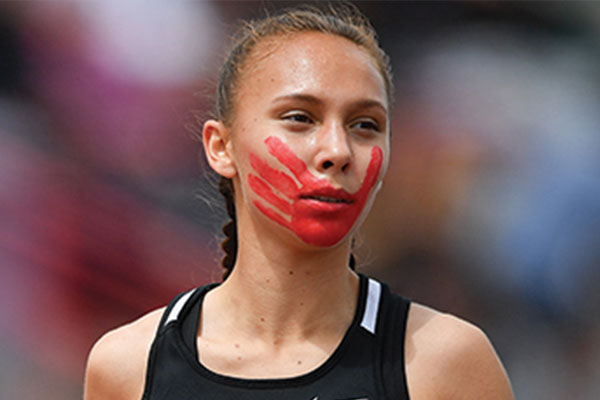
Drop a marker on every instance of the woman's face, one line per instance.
(310, 139)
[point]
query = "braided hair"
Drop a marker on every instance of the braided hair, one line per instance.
(229, 244)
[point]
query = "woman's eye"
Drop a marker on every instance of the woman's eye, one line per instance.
(299, 118)
(366, 125)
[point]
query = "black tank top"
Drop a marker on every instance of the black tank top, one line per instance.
(367, 364)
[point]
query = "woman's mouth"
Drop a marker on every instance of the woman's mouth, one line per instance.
(327, 199)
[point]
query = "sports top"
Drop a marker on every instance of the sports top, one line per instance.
(368, 364)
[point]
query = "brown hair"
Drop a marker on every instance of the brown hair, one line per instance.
(343, 20)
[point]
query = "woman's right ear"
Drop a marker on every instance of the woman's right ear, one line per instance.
(217, 148)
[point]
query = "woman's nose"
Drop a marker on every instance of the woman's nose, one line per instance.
(334, 152)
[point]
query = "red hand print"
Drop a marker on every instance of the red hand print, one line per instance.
(315, 211)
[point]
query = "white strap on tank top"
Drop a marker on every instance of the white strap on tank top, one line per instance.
(369, 320)
(176, 310)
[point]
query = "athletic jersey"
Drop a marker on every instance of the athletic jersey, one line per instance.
(367, 364)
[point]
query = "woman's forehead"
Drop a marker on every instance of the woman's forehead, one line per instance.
(311, 61)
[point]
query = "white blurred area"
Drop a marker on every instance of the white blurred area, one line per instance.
(154, 43)
(490, 209)
(118, 78)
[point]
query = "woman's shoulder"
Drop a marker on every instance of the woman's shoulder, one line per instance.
(116, 365)
(453, 354)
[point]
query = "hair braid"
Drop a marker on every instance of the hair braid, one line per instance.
(230, 243)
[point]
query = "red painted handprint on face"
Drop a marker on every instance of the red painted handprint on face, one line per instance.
(315, 211)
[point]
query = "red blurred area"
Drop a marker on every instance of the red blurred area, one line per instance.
(82, 254)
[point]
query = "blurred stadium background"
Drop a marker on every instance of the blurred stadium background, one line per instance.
(490, 210)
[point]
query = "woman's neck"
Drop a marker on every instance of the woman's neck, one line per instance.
(285, 293)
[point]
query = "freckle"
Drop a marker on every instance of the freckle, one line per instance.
(262, 319)
(237, 346)
(307, 272)
(268, 281)
(299, 362)
(239, 358)
(301, 304)
(291, 272)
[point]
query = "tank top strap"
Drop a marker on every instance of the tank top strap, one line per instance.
(371, 307)
(391, 336)
(180, 306)
(174, 308)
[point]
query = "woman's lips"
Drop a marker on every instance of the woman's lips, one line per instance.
(327, 194)
(326, 199)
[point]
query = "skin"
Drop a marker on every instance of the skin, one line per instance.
(267, 320)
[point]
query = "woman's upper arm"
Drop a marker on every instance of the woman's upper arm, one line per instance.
(104, 378)
(474, 368)
(116, 366)
(448, 358)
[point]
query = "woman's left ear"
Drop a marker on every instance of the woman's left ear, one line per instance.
(217, 148)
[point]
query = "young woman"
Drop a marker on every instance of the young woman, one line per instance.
(301, 142)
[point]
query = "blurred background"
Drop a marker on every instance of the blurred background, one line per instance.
(490, 210)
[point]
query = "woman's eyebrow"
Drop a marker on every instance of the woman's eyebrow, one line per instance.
(309, 98)
(368, 103)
